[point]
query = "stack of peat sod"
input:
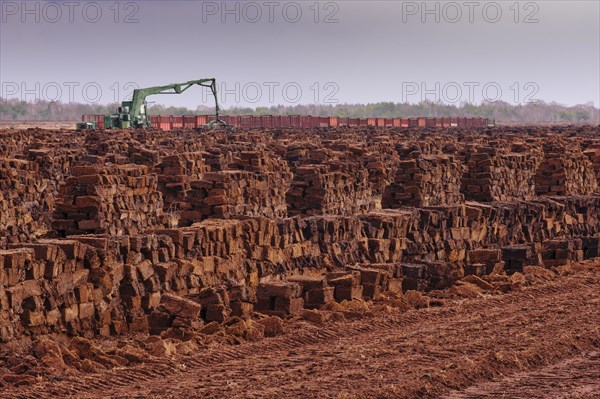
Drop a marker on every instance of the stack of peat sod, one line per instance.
(499, 177)
(118, 200)
(565, 171)
(329, 189)
(26, 202)
(425, 181)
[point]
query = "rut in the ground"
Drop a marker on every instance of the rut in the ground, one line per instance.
(577, 377)
(419, 353)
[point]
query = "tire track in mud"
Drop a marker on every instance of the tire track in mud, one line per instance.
(425, 352)
(577, 377)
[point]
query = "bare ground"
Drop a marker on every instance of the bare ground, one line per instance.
(576, 377)
(5, 125)
(538, 342)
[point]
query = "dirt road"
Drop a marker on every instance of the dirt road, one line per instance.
(539, 342)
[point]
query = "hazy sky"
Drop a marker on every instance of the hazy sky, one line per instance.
(272, 52)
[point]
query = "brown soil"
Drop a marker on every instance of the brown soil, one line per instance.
(5, 125)
(576, 377)
(541, 341)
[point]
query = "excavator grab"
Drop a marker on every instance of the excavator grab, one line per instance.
(133, 114)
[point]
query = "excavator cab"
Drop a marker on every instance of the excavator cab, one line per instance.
(120, 120)
(87, 126)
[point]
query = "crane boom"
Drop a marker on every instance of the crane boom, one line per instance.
(134, 114)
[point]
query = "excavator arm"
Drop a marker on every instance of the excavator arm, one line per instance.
(136, 108)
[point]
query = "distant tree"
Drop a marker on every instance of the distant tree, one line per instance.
(14, 109)
(582, 116)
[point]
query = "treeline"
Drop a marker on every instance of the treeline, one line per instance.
(14, 110)
(534, 112)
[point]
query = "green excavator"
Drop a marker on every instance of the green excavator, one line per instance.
(133, 114)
